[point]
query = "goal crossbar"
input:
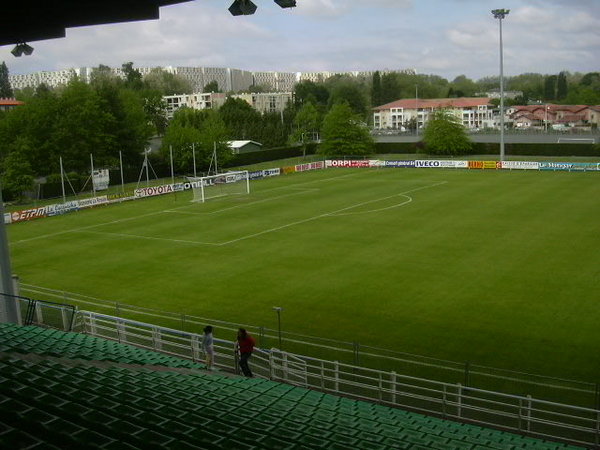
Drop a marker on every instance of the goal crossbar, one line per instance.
(220, 185)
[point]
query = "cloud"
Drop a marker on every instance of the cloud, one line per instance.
(336, 8)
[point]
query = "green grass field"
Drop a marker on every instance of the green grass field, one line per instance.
(498, 268)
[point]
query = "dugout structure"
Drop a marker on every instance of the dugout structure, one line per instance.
(220, 185)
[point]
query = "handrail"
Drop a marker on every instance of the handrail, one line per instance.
(536, 417)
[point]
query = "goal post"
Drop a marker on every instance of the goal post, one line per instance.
(220, 185)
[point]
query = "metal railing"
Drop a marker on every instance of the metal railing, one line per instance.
(469, 374)
(522, 414)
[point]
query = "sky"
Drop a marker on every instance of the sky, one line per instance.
(442, 37)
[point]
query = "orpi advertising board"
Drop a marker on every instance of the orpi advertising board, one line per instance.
(347, 163)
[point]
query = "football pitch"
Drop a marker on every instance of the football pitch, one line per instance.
(494, 267)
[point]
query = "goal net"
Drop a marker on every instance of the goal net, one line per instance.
(220, 185)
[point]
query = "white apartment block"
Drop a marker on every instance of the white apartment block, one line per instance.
(276, 81)
(269, 102)
(228, 79)
(49, 78)
(473, 112)
(206, 100)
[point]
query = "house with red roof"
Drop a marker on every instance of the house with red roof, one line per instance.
(473, 112)
(9, 103)
(551, 114)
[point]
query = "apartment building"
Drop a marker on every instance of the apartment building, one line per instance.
(200, 100)
(267, 102)
(51, 79)
(276, 81)
(551, 115)
(473, 112)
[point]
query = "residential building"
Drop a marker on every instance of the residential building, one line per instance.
(276, 81)
(200, 100)
(49, 78)
(6, 104)
(267, 102)
(473, 112)
(548, 115)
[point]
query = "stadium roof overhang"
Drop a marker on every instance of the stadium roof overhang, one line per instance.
(35, 20)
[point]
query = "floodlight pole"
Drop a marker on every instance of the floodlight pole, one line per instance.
(8, 307)
(501, 14)
(278, 310)
(92, 165)
(194, 157)
(417, 109)
(121, 165)
(62, 179)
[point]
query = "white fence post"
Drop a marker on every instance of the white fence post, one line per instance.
(272, 365)
(65, 319)
(393, 383)
(156, 342)
(195, 344)
(92, 324)
(336, 375)
(528, 413)
(122, 334)
(284, 366)
(39, 316)
(459, 400)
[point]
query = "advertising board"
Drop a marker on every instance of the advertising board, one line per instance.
(347, 163)
(520, 165)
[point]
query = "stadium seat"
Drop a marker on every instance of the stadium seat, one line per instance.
(61, 402)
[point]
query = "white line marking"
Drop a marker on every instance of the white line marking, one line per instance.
(380, 209)
(303, 191)
(137, 236)
(333, 213)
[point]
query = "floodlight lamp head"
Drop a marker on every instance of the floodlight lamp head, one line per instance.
(500, 13)
(286, 3)
(277, 308)
(22, 49)
(242, 8)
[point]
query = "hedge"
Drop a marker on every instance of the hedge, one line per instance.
(271, 154)
(484, 148)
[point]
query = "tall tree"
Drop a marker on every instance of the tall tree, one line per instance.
(17, 176)
(133, 77)
(6, 90)
(550, 87)
(562, 88)
(376, 89)
(343, 133)
(212, 86)
(167, 83)
(445, 135)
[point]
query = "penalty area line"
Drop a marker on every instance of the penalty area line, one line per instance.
(328, 214)
(137, 236)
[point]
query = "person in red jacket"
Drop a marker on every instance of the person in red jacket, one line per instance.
(246, 347)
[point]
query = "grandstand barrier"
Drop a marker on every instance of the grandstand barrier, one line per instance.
(470, 374)
(42, 313)
(518, 413)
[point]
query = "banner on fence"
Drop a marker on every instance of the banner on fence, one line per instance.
(310, 166)
(347, 163)
(520, 165)
(401, 163)
(151, 191)
(569, 166)
(94, 201)
(441, 164)
(484, 165)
